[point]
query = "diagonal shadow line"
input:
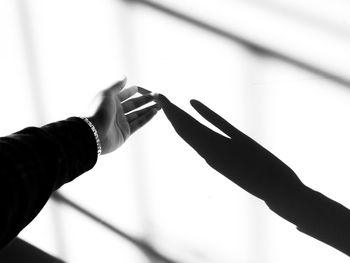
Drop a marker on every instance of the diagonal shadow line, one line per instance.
(299, 15)
(143, 246)
(254, 47)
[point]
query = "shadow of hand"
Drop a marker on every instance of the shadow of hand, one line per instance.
(238, 157)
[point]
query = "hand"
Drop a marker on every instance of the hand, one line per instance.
(238, 157)
(109, 119)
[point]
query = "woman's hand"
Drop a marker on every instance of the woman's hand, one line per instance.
(113, 117)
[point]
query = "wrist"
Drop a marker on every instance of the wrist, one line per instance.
(95, 131)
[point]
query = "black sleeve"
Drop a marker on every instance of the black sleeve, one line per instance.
(34, 163)
(315, 215)
(19, 251)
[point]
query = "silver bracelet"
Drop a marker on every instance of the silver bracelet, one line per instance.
(93, 129)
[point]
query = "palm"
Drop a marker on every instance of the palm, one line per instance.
(117, 127)
(112, 122)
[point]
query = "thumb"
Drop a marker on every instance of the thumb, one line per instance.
(118, 86)
(215, 119)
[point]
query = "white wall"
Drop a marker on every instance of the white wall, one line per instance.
(55, 55)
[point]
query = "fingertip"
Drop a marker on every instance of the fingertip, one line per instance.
(195, 103)
(132, 89)
(161, 96)
(143, 91)
(119, 85)
(162, 99)
(158, 106)
(121, 81)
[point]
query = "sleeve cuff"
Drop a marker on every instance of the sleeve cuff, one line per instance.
(77, 145)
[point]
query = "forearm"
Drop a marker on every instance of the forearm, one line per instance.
(34, 163)
(315, 215)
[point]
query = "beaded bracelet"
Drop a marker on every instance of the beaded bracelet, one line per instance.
(93, 129)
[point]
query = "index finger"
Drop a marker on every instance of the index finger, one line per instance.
(144, 91)
(127, 93)
(135, 103)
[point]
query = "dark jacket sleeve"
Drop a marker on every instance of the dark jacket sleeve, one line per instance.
(34, 163)
(315, 215)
